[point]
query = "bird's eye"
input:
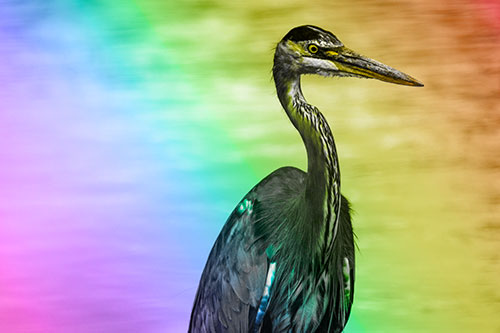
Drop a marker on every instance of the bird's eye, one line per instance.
(313, 48)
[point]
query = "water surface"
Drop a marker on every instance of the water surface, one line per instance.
(130, 130)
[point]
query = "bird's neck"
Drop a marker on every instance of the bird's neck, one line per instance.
(322, 190)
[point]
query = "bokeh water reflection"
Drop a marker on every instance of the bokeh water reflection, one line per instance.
(130, 130)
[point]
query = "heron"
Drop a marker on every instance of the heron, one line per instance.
(284, 260)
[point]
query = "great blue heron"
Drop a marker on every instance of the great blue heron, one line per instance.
(284, 260)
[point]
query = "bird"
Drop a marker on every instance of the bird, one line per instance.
(285, 258)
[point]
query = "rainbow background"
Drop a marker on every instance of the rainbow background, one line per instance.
(130, 129)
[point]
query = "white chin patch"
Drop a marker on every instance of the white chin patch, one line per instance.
(318, 65)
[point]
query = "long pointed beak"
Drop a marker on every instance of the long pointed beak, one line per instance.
(350, 62)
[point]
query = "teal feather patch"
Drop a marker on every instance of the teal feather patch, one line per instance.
(264, 302)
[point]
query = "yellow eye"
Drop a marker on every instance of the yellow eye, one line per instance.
(313, 48)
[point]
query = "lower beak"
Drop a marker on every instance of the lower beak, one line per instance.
(350, 62)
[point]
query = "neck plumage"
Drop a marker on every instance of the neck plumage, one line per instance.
(322, 190)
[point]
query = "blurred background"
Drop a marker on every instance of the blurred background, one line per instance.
(130, 129)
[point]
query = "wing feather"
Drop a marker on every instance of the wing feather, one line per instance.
(234, 277)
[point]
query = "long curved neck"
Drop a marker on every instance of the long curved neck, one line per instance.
(322, 191)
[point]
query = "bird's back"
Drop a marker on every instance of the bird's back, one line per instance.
(233, 282)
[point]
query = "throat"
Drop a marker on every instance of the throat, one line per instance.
(321, 195)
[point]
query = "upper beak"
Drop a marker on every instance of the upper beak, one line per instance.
(348, 61)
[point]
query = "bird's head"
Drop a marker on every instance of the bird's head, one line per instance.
(311, 50)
